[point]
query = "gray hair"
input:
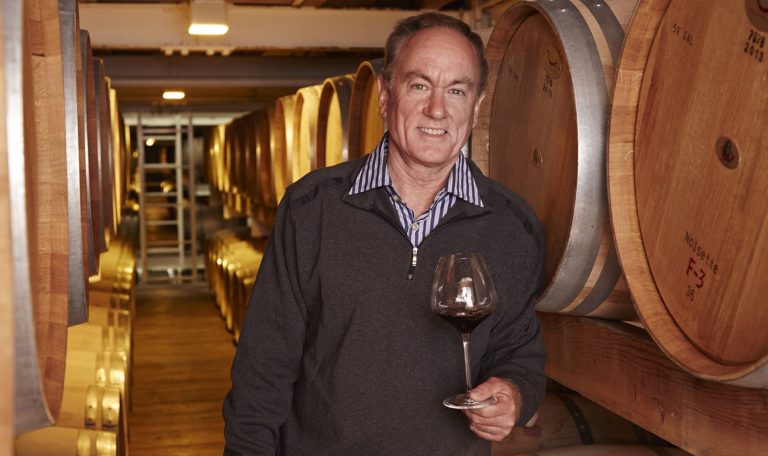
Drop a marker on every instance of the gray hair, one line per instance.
(410, 25)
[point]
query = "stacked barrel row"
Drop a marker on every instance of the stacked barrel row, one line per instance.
(62, 180)
(646, 163)
(255, 157)
(232, 259)
(96, 398)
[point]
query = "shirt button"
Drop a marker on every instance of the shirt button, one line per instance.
(415, 226)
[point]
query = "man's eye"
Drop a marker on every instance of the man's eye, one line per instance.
(458, 92)
(418, 87)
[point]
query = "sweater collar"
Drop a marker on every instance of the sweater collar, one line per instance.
(374, 174)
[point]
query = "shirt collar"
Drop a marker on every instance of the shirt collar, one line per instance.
(374, 174)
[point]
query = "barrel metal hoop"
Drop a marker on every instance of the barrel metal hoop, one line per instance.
(591, 105)
(606, 282)
(83, 83)
(582, 426)
(77, 308)
(610, 26)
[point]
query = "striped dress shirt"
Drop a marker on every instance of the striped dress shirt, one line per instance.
(460, 184)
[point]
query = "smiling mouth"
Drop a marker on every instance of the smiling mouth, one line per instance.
(433, 131)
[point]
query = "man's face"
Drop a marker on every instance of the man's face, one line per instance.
(432, 102)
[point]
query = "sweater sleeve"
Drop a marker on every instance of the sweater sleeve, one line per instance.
(267, 362)
(516, 350)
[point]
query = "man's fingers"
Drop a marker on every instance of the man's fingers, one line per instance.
(500, 421)
(496, 421)
(493, 433)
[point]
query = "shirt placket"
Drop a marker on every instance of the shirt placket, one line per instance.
(418, 229)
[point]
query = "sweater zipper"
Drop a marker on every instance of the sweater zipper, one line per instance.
(415, 250)
(412, 269)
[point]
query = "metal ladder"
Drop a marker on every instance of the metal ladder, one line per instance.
(167, 260)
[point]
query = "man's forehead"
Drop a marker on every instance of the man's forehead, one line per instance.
(431, 52)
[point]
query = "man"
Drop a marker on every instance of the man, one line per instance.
(339, 352)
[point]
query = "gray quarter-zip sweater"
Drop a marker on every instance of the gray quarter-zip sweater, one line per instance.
(339, 353)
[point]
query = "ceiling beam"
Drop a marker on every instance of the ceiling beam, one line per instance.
(218, 71)
(164, 26)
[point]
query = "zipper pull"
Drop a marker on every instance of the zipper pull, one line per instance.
(412, 269)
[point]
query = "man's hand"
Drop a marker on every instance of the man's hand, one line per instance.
(495, 421)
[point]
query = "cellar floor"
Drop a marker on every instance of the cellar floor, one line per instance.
(182, 353)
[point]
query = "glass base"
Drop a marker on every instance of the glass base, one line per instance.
(463, 402)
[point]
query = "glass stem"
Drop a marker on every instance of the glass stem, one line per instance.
(467, 365)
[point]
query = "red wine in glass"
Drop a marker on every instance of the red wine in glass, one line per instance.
(463, 294)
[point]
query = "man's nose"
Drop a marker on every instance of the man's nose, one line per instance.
(435, 105)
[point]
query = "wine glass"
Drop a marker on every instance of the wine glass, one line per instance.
(464, 295)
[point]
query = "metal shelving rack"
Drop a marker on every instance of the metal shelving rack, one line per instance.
(168, 256)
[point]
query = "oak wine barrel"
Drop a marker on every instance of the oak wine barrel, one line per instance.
(232, 157)
(37, 178)
(264, 166)
(543, 126)
(86, 171)
(93, 147)
(333, 121)
(111, 346)
(90, 407)
(61, 441)
(216, 263)
(105, 147)
(101, 357)
(7, 377)
(245, 266)
(77, 206)
(303, 156)
(215, 147)
(88, 401)
(118, 269)
(366, 124)
(91, 259)
(496, 9)
(281, 137)
(687, 182)
(115, 286)
(227, 158)
(235, 256)
(118, 152)
(238, 171)
(235, 170)
(251, 165)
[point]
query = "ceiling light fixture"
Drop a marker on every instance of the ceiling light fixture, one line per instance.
(173, 95)
(208, 17)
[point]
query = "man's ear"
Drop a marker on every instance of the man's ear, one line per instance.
(477, 108)
(383, 96)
